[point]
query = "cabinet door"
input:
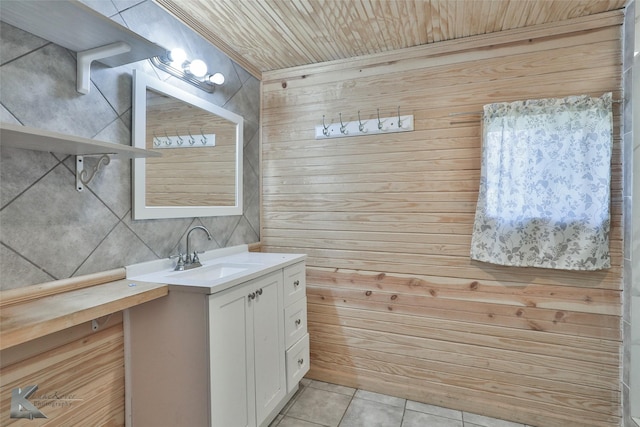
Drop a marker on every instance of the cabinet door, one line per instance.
(268, 329)
(231, 365)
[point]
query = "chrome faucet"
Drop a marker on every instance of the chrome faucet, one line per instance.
(192, 260)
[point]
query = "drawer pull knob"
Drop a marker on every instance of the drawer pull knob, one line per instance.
(300, 361)
(298, 321)
(259, 291)
(296, 283)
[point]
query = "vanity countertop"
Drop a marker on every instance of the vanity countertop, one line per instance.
(34, 318)
(233, 266)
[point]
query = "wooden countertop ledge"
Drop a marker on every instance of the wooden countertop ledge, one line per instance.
(35, 311)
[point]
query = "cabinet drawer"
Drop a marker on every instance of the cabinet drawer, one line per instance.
(294, 283)
(297, 362)
(295, 322)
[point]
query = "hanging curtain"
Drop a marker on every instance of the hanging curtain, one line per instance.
(544, 184)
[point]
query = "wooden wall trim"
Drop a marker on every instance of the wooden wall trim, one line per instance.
(29, 293)
(255, 247)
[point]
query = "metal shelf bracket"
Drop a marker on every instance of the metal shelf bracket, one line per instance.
(82, 176)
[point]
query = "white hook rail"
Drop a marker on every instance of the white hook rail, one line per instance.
(184, 141)
(364, 127)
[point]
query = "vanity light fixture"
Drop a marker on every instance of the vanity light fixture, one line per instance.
(194, 72)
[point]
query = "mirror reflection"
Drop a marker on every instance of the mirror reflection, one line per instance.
(200, 170)
(197, 167)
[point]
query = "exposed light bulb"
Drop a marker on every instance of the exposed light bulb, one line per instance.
(197, 67)
(177, 57)
(217, 78)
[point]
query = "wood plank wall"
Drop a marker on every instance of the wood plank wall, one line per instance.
(395, 304)
(196, 176)
(79, 373)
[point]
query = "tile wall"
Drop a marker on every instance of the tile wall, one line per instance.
(50, 231)
(634, 255)
(631, 164)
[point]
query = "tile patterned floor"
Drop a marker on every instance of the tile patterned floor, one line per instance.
(319, 404)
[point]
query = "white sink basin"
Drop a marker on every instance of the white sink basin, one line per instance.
(221, 269)
(207, 275)
(209, 272)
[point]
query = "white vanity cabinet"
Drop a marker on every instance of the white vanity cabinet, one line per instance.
(295, 324)
(247, 364)
(221, 359)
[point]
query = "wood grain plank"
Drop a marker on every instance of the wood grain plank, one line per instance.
(29, 293)
(89, 370)
(551, 367)
(394, 302)
(34, 319)
(478, 403)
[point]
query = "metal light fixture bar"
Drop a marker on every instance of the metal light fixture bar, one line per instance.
(205, 84)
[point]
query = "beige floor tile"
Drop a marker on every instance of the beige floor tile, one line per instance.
(380, 398)
(293, 422)
(420, 419)
(483, 421)
(276, 421)
(320, 407)
(335, 388)
(367, 413)
(434, 410)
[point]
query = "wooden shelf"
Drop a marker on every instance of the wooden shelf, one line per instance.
(77, 27)
(42, 140)
(33, 319)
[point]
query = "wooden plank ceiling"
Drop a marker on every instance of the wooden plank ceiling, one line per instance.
(264, 35)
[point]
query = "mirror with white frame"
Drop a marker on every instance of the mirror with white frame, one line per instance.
(200, 171)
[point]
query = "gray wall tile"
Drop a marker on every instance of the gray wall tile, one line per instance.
(54, 226)
(50, 231)
(120, 243)
(243, 233)
(20, 169)
(14, 266)
(16, 42)
(40, 90)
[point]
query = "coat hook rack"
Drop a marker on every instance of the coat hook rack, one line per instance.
(360, 124)
(343, 127)
(178, 140)
(375, 125)
(325, 128)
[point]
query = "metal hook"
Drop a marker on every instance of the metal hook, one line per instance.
(180, 140)
(192, 140)
(361, 126)
(156, 140)
(168, 141)
(204, 138)
(399, 119)
(343, 127)
(379, 122)
(325, 128)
